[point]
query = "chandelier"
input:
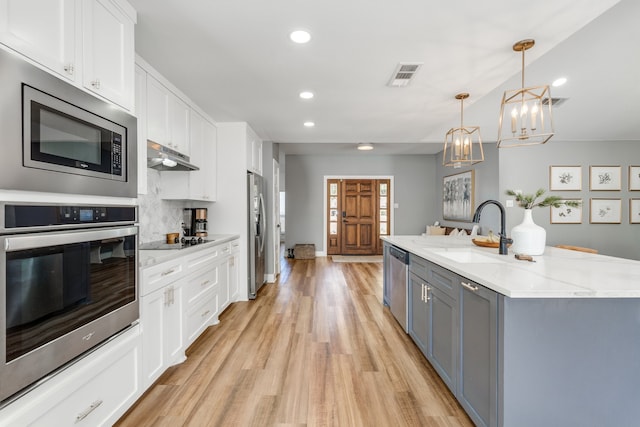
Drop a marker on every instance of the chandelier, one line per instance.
(462, 145)
(525, 114)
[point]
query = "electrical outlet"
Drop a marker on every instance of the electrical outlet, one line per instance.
(509, 203)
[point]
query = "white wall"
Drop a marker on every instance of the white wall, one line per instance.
(414, 191)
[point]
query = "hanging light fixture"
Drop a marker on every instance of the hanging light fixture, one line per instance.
(462, 145)
(525, 114)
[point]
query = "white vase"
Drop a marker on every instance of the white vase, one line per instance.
(528, 238)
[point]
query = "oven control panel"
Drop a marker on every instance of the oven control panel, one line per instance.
(39, 216)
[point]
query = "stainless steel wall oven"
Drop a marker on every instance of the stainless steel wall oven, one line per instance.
(68, 283)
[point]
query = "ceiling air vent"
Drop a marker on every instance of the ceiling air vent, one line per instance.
(403, 74)
(555, 102)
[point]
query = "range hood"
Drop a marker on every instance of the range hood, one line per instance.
(164, 158)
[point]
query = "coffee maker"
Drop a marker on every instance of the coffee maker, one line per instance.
(194, 224)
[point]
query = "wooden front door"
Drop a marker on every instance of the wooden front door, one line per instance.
(359, 225)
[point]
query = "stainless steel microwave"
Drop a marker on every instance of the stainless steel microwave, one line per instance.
(57, 138)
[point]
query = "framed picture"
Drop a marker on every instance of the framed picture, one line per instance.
(605, 178)
(565, 178)
(606, 211)
(634, 211)
(634, 178)
(567, 214)
(457, 196)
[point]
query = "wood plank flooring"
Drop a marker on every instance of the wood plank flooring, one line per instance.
(317, 348)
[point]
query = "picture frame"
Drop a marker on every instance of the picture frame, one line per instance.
(605, 211)
(565, 178)
(458, 196)
(634, 211)
(634, 178)
(605, 178)
(565, 214)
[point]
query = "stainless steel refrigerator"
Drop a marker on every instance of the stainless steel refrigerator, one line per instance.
(256, 233)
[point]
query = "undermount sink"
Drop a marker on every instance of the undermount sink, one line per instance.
(467, 256)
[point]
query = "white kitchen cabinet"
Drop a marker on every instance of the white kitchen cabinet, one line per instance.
(89, 43)
(254, 152)
(95, 391)
(108, 56)
(161, 315)
(167, 117)
(141, 113)
(202, 295)
(233, 270)
(44, 31)
(200, 185)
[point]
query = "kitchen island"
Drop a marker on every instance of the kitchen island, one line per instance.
(550, 342)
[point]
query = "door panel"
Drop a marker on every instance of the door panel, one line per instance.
(359, 217)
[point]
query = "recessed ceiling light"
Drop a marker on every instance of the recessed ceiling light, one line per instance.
(365, 146)
(559, 82)
(306, 95)
(300, 36)
(309, 124)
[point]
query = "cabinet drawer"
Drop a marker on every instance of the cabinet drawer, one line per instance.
(418, 266)
(205, 257)
(201, 282)
(443, 279)
(201, 315)
(158, 276)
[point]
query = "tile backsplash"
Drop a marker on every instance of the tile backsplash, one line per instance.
(158, 217)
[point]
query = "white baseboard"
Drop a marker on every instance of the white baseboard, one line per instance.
(270, 278)
(321, 253)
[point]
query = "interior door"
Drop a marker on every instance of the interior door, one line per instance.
(276, 217)
(359, 219)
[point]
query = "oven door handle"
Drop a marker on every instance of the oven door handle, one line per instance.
(41, 240)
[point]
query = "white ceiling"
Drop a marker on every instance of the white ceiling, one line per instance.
(234, 59)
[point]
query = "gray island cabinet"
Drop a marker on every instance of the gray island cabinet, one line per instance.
(528, 344)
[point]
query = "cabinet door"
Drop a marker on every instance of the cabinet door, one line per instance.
(157, 111)
(141, 114)
(443, 334)
(223, 290)
(477, 384)
(153, 320)
(234, 272)
(174, 328)
(44, 31)
(210, 161)
(179, 113)
(419, 312)
(108, 52)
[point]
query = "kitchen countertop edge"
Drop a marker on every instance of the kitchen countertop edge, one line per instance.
(152, 257)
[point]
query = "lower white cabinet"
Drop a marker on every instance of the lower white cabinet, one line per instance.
(95, 391)
(162, 330)
(233, 269)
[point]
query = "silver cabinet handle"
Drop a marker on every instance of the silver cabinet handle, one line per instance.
(96, 84)
(421, 291)
(166, 273)
(82, 415)
(427, 288)
(205, 313)
(472, 288)
(205, 283)
(69, 69)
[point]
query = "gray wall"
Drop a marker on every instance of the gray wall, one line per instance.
(485, 187)
(414, 191)
(527, 169)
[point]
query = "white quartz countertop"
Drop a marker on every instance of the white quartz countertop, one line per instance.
(148, 258)
(558, 273)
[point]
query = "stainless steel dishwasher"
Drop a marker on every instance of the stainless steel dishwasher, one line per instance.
(399, 269)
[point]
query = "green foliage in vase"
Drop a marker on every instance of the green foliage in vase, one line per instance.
(530, 201)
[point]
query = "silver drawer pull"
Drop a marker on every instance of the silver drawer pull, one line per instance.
(206, 313)
(165, 273)
(469, 286)
(205, 283)
(82, 415)
(427, 288)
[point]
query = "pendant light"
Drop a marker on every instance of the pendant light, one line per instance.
(462, 145)
(525, 114)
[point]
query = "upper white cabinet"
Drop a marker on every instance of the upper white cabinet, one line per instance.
(43, 30)
(108, 52)
(167, 117)
(198, 185)
(254, 152)
(89, 43)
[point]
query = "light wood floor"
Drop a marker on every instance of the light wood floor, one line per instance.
(316, 348)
